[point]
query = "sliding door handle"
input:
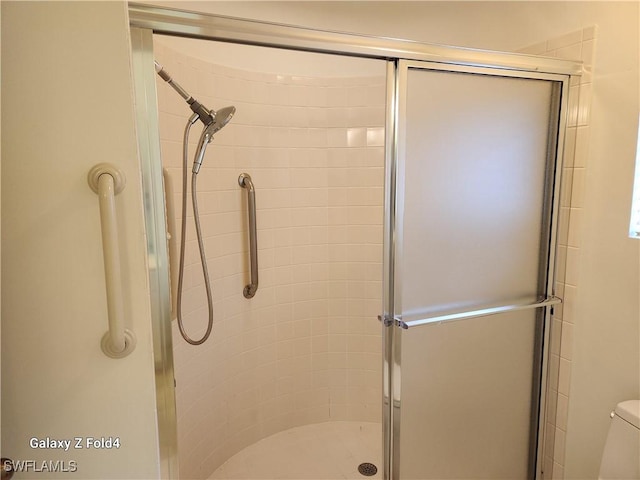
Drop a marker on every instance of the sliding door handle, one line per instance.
(482, 312)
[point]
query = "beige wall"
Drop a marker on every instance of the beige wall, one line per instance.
(67, 105)
(606, 355)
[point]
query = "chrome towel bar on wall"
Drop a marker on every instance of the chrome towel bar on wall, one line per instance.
(244, 180)
(107, 181)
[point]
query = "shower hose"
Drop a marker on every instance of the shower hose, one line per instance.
(203, 259)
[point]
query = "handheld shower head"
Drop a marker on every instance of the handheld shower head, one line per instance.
(220, 119)
(213, 121)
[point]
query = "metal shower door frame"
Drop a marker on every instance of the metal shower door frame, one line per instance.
(394, 195)
(147, 19)
(153, 199)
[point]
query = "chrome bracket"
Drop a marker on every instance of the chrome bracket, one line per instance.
(390, 321)
(386, 320)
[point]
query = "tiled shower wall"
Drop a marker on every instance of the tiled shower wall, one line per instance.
(578, 45)
(307, 347)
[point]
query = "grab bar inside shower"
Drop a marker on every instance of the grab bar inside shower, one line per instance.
(107, 181)
(244, 180)
(172, 240)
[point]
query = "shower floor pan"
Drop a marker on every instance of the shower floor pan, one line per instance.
(323, 451)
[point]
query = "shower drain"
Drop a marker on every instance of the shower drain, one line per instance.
(367, 469)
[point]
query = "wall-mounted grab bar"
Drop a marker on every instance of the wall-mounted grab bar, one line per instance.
(172, 240)
(107, 181)
(244, 180)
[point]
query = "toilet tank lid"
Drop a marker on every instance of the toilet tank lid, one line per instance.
(629, 411)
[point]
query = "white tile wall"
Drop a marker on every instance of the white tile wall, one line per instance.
(307, 348)
(578, 45)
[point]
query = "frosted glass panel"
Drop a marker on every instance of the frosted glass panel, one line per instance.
(466, 398)
(474, 234)
(476, 149)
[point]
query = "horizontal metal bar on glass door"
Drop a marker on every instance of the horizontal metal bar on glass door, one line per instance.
(483, 312)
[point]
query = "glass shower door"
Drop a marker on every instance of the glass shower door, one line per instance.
(476, 178)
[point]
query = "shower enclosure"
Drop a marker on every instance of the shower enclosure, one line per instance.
(407, 214)
(303, 349)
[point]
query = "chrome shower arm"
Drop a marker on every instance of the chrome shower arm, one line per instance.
(204, 114)
(176, 86)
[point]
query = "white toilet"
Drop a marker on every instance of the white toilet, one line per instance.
(621, 456)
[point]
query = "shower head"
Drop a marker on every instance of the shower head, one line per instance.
(220, 119)
(213, 121)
